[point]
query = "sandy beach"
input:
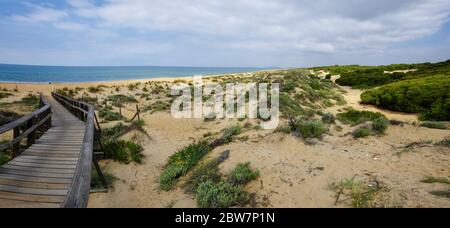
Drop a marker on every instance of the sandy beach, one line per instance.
(294, 173)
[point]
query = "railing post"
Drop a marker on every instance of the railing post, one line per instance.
(32, 136)
(16, 147)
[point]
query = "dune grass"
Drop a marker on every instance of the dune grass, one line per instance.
(354, 117)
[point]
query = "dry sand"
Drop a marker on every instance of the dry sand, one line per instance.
(293, 173)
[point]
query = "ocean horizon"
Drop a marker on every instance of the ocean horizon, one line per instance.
(72, 74)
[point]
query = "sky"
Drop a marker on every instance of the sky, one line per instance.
(223, 33)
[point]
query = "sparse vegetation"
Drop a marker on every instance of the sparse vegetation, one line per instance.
(355, 117)
(183, 161)
(362, 195)
(208, 171)
(434, 125)
(109, 115)
(123, 151)
(4, 158)
(242, 174)
(306, 128)
(433, 180)
(361, 132)
(221, 195)
(96, 182)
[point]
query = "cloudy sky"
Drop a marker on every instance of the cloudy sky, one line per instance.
(259, 33)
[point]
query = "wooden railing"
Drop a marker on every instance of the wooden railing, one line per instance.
(27, 127)
(79, 191)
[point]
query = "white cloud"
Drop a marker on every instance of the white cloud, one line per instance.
(273, 27)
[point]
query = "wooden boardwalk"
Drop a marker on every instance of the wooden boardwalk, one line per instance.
(43, 174)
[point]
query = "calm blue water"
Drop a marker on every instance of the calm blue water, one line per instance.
(46, 74)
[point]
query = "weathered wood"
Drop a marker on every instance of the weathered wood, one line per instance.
(55, 171)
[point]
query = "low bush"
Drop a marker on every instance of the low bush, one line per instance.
(123, 151)
(433, 180)
(355, 117)
(96, 182)
(242, 174)
(434, 125)
(309, 129)
(328, 118)
(361, 132)
(221, 195)
(109, 115)
(4, 158)
(208, 171)
(380, 125)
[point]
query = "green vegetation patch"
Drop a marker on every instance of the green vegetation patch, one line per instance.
(433, 180)
(355, 117)
(306, 128)
(96, 182)
(5, 95)
(361, 194)
(4, 158)
(185, 159)
(429, 96)
(124, 151)
(109, 115)
(361, 132)
(221, 195)
(242, 174)
(434, 125)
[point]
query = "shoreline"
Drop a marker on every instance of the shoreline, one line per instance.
(156, 78)
(49, 86)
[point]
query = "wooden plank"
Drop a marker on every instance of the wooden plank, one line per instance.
(33, 191)
(35, 174)
(41, 170)
(51, 155)
(25, 184)
(7, 203)
(39, 158)
(71, 165)
(36, 179)
(54, 150)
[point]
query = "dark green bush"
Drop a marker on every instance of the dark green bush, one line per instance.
(429, 96)
(380, 125)
(368, 78)
(4, 158)
(308, 129)
(123, 151)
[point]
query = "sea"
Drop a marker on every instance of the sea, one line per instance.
(72, 74)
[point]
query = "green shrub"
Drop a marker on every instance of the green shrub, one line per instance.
(113, 132)
(361, 132)
(368, 78)
(434, 125)
(93, 89)
(355, 117)
(242, 174)
(433, 180)
(429, 96)
(4, 158)
(221, 195)
(380, 125)
(181, 162)
(309, 129)
(96, 182)
(208, 171)
(123, 151)
(5, 95)
(109, 115)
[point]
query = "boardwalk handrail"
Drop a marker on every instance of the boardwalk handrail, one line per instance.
(28, 124)
(78, 194)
